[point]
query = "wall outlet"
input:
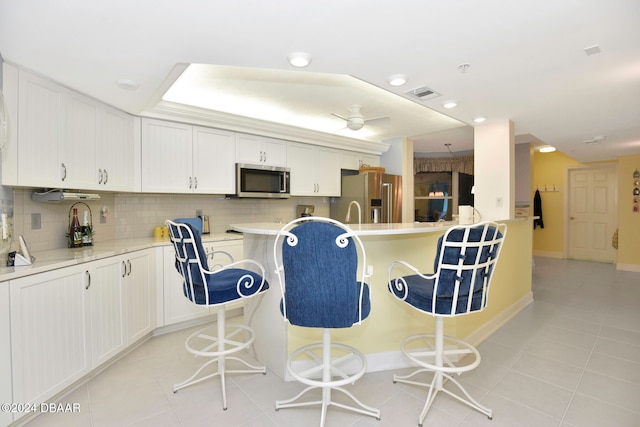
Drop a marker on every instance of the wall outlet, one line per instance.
(36, 221)
(499, 202)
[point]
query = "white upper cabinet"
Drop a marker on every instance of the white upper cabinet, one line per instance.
(77, 152)
(214, 155)
(67, 140)
(166, 157)
(114, 169)
(258, 150)
(179, 158)
(315, 171)
(353, 160)
(40, 121)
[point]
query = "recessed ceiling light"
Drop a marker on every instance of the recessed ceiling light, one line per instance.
(479, 119)
(547, 149)
(299, 59)
(592, 50)
(127, 84)
(398, 79)
(450, 104)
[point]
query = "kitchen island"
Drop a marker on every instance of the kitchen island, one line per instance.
(381, 334)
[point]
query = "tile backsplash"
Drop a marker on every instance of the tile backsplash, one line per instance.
(133, 215)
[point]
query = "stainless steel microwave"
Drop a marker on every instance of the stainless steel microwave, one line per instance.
(262, 181)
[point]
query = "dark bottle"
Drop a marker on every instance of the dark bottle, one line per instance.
(87, 235)
(75, 231)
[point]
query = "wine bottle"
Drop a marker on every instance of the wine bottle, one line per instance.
(87, 238)
(75, 232)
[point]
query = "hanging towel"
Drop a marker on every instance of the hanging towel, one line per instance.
(537, 210)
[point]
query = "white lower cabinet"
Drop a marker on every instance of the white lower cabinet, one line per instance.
(49, 332)
(106, 308)
(177, 308)
(121, 305)
(66, 322)
(6, 395)
(139, 295)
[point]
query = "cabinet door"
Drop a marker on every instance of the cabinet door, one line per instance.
(40, 112)
(166, 157)
(114, 164)
(105, 293)
(315, 171)
(275, 152)
(327, 172)
(139, 297)
(49, 337)
(302, 163)
(78, 147)
(250, 149)
(177, 307)
(369, 159)
(214, 154)
(6, 395)
(352, 160)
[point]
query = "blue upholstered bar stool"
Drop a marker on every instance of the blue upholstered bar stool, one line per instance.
(317, 267)
(465, 261)
(216, 288)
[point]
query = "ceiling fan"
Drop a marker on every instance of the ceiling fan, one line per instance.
(356, 120)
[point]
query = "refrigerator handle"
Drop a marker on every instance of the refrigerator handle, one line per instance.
(387, 203)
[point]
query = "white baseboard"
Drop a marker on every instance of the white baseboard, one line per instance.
(481, 334)
(628, 267)
(547, 254)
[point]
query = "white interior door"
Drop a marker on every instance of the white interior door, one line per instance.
(592, 213)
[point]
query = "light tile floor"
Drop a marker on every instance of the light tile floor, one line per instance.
(572, 358)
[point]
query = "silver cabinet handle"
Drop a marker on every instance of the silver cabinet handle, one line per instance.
(106, 177)
(190, 182)
(64, 171)
(124, 268)
(129, 265)
(88, 276)
(99, 176)
(195, 180)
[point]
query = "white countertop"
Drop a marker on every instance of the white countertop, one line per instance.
(59, 258)
(272, 228)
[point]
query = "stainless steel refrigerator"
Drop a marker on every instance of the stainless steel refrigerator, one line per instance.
(378, 194)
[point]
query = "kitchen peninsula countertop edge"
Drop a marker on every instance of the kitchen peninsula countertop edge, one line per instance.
(272, 228)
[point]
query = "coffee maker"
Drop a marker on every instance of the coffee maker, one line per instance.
(206, 227)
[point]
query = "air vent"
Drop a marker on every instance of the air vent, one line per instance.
(423, 93)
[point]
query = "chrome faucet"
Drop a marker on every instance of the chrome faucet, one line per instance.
(348, 218)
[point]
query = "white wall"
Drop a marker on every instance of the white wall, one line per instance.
(523, 160)
(494, 170)
(392, 159)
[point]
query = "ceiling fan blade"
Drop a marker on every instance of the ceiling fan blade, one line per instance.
(339, 116)
(378, 121)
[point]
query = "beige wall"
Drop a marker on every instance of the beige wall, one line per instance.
(628, 221)
(551, 169)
